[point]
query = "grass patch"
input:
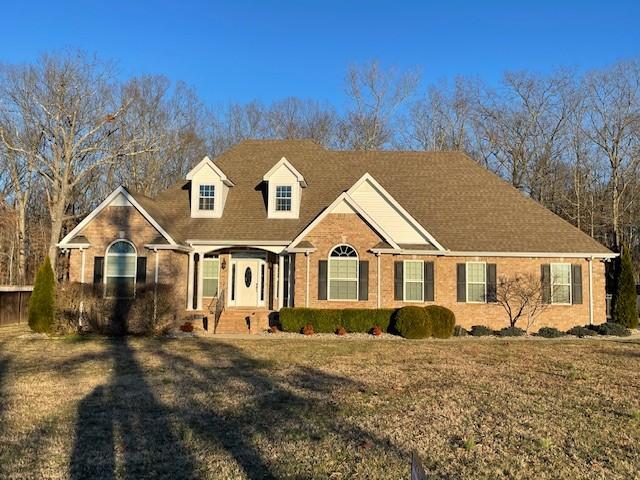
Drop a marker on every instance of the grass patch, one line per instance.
(286, 408)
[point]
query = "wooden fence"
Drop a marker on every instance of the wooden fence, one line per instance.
(14, 304)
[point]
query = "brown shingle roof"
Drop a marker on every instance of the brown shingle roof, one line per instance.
(464, 206)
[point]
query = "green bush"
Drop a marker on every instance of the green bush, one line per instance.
(624, 302)
(363, 319)
(511, 332)
(412, 322)
(458, 331)
(581, 332)
(481, 331)
(326, 320)
(42, 303)
(613, 329)
(442, 319)
(550, 332)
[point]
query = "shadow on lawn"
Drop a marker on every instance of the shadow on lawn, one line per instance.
(274, 410)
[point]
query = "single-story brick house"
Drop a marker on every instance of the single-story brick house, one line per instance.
(289, 223)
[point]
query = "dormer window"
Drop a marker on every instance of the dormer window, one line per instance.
(283, 198)
(208, 190)
(284, 186)
(207, 197)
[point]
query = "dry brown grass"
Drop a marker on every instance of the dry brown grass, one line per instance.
(283, 408)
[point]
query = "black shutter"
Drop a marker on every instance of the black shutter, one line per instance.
(322, 280)
(461, 270)
(545, 277)
(398, 277)
(576, 284)
(141, 271)
(363, 293)
(98, 270)
(428, 282)
(491, 283)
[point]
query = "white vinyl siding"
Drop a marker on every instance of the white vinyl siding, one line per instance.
(413, 280)
(561, 283)
(210, 275)
(476, 282)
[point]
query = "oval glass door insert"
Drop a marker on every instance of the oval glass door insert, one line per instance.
(247, 277)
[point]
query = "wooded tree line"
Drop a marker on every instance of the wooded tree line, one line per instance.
(71, 131)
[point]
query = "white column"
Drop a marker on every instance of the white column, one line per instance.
(378, 280)
(280, 281)
(306, 299)
(590, 260)
(190, 282)
(155, 273)
(82, 267)
(200, 275)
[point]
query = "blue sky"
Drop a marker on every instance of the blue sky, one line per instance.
(243, 50)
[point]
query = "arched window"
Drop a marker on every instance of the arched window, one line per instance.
(120, 269)
(343, 273)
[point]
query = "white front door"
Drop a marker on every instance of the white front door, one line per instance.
(247, 282)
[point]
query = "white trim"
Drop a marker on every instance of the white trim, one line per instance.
(590, 260)
(190, 281)
(347, 198)
(404, 281)
(449, 253)
(72, 246)
(207, 161)
(120, 190)
(301, 250)
(368, 178)
(155, 272)
(199, 285)
(249, 243)
(16, 288)
(82, 250)
(280, 281)
(306, 300)
(283, 161)
(379, 300)
(570, 285)
(466, 281)
(211, 259)
(177, 248)
(343, 259)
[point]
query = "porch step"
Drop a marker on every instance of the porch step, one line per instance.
(243, 320)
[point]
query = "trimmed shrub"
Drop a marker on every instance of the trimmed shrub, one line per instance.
(341, 331)
(581, 332)
(481, 331)
(322, 320)
(613, 329)
(308, 330)
(42, 303)
(412, 322)
(442, 319)
(376, 331)
(458, 331)
(550, 332)
(325, 320)
(624, 302)
(360, 320)
(511, 332)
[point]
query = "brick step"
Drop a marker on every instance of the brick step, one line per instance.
(235, 320)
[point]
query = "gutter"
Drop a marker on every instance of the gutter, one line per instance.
(449, 253)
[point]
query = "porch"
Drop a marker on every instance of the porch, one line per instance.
(238, 288)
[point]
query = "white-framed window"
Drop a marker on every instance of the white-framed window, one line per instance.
(283, 198)
(342, 275)
(207, 198)
(120, 269)
(413, 272)
(561, 283)
(476, 282)
(210, 276)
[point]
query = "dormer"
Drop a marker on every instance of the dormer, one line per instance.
(284, 190)
(209, 189)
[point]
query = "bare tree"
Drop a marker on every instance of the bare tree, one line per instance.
(521, 296)
(613, 125)
(375, 96)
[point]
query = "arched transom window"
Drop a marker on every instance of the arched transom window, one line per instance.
(343, 273)
(120, 277)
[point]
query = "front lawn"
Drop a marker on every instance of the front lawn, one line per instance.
(321, 408)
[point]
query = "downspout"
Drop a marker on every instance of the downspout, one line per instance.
(590, 260)
(155, 288)
(306, 300)
(81, 318)
(378, 280)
